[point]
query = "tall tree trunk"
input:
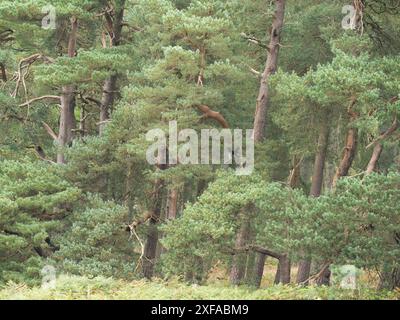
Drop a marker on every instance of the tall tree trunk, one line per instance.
(270, 68)
(67, 115)
(283, 272)
(342, 171)
(285, 267)
(348, 155)
(107, 100)
(259, 123)
(376, 154)
(150, 249)
(304, 269)
(110, 85)
(259, 269)
(277, 279)
(172, 209)
(239, 259)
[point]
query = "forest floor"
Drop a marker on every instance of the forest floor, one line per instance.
(80, 288)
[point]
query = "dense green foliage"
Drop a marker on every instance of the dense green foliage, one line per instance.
(76, 104)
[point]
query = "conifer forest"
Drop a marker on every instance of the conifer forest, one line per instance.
(200, 149)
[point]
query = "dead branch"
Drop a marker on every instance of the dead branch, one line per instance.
(50, 131)
(208, 113)
(23, 68)
(254, 40)
(40, 98)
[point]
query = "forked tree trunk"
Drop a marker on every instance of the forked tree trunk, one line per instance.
(304, 269)
(67, 115)
(270, 68)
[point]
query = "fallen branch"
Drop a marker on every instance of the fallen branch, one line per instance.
(318, 275)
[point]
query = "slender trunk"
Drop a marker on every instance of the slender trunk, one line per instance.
(376, 154)
(67, 115)
(82, 122)
(304, 269)
(259, 269)
(319, 164)
(3, 72)
(110, 84)
(250, 262)
(348, 155)
(239, 259)
(270, 68)
(342, 171)
(277, 279)
(294, 180)
(107, 100)
(284, 268)
(150, 249)
(172, 204)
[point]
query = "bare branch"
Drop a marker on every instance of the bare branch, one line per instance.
(40, 98)
(50, 131)
(208, 113)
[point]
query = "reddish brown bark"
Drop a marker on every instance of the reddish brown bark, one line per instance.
(270, 68)
(374, 159)
(348, 155)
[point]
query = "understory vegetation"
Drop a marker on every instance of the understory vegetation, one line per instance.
(82, 288)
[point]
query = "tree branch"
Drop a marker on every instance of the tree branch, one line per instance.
(208, 113)
(50, 131)
(40, 98)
